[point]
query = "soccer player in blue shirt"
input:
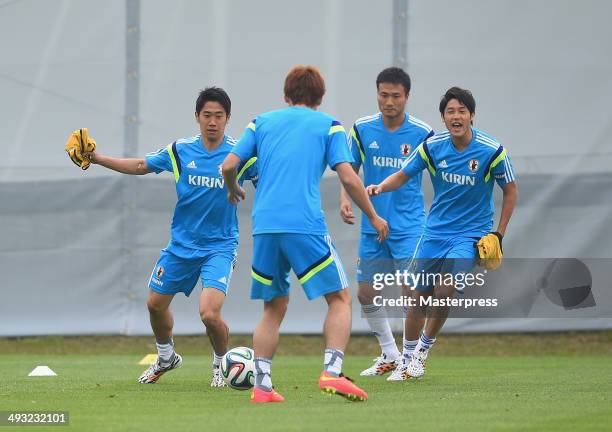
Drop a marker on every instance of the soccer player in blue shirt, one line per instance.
(463, 165)
(293, 148)
(204, 233)
(381, 143)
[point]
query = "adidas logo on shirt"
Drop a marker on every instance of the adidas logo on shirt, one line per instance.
(191, 165)
(373, 145)
(223, 280)
(443, 164)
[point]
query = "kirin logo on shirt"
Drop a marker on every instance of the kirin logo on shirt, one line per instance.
(405, 149)
(459, 179)
(160, 271)
(473, 165)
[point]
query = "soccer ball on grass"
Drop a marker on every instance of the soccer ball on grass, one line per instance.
(238, 368)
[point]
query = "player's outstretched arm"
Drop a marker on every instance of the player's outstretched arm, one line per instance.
(229, 169)
(391, 183)
(131, 166)
(508, 203)
(346, 208)
(354, 187)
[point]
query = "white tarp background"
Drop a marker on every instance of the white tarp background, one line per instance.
(77, 248)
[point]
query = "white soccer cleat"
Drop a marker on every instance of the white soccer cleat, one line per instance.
(156, 370)
(416, 366)
(217, 378)
(400, 373)
(381, 366)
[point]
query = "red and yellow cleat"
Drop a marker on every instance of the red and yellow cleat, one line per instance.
(341, 386)
(262, 396)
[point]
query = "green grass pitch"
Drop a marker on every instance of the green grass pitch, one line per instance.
(473, 393)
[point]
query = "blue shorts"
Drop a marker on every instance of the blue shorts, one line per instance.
(386, 257)
(173, 274)
(444, 256)
(313, 258)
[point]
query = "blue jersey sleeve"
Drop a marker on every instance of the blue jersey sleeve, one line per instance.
(337, 150)
(417, 162)
(247, 146)
(356, 147)
(252, 174)
(429, 135)
(159, 161)
(248, 171)
(501, 169)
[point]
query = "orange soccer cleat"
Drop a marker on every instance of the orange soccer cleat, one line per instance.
(262, 396)
(342, 386)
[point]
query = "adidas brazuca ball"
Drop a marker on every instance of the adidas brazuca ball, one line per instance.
(238, 368)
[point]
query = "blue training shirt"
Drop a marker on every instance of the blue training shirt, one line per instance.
(462, 182)
(382, 153)
(293, 147)
(203, 217)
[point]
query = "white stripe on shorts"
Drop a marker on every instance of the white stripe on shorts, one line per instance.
(339, 267)
(231, 272)
(416, 250)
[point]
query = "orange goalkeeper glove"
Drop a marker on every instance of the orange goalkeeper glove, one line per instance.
(490, 250)
(79, 143)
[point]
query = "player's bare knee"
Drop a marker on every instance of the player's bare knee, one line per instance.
(156, 307)
(443, 291)
(211, 317)
(340, 298)
(276, 308)
(418, 298)
(364, 298)
(365, 294)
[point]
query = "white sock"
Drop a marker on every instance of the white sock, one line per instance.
(332, 361)
(263, 377)
(165, 351)
(409, 347)
(379, 324)
(425, 342)
(216, 360)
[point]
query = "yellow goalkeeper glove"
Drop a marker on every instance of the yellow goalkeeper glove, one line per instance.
(490, 250)
(79, 143)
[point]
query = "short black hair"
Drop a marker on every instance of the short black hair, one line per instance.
(394, 75)
(463, 96)
(214, 94)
